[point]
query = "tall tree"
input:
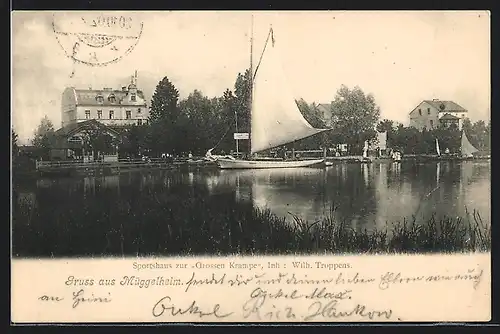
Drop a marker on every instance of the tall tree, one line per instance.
(166, 129)
(43, 137)
(242, 90)
(354, 116)
(164, 102)
(228, 112)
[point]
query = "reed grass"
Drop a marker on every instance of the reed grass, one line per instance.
(184, 221)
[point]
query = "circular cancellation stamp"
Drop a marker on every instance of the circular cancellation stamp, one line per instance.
(96, 39)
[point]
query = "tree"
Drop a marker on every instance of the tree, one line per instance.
(44, 135)
(386, 125)
(167, 124)
(479, 135)
(242, 90)
(134, 141)
(15, 147)
(164, 102)
(313, 116)
(200, 122)
(467, 126)
(311, 113)
(227, 122)
(488, 136)
(354, 116)
(405, 139)
(97, 141)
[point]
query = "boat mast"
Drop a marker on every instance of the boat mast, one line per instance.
(250, 91)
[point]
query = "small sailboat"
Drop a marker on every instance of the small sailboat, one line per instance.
(466, 148)
(275, 117)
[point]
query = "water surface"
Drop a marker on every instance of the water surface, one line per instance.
(363, 195)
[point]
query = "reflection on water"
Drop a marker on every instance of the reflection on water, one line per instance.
(366, 195)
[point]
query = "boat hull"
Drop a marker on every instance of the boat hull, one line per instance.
(259, 164)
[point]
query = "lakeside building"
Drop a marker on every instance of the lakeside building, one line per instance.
(123, 107)
(430, 114)
(96, 118)
(74, 142)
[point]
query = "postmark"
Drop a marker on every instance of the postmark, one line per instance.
(96, 39)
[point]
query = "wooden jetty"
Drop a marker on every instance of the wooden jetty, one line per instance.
(113, 167)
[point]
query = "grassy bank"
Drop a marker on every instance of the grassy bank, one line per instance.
(182, 221)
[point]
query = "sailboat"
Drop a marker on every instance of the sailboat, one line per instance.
(275, 117)
(467, 149)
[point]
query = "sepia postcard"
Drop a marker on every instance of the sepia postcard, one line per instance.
(250, 166)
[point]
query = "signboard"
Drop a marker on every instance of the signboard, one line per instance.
(241, 135)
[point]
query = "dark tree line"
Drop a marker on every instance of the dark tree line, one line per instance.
(194, 124)
(198, 123)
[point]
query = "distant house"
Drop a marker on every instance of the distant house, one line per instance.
(325, 111)
(430, 114)
(111, 107)
(69, 142)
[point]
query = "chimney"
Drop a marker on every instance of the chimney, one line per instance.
(107, 89)
(435, 100)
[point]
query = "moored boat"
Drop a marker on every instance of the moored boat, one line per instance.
(275, 118)
(225, 163)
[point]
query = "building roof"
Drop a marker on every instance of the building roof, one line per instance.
(72, 128)
(89, 97)
(324, 107)
(449, 117)
(446, 106)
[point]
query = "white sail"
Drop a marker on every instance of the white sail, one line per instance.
(438, 151)
(276, 120)
(467, 148)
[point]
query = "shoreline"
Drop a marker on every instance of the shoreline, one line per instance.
(113, 168)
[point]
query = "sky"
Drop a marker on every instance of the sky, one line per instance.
(401, 58)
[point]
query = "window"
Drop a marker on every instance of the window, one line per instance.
(432, 123)
(132, 98)
(138, 110)
(128, 114)
(99, 99)
(111, 114)
(139, 122)
(74, 139)
(112, 98)
(87, 114)
(420, 112)
(428, 111)
(99, 114)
